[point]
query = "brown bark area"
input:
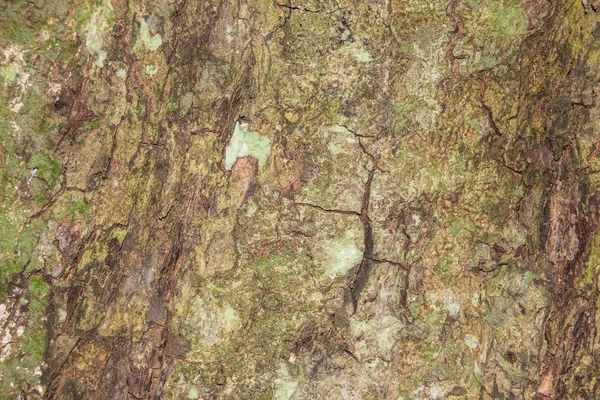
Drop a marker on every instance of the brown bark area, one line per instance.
(411, 211)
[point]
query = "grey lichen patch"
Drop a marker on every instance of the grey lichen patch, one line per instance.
(150, 41)
(244, 143)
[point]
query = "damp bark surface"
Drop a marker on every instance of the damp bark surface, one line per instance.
(299, 199)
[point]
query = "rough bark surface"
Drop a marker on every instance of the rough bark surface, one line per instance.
(263, 199)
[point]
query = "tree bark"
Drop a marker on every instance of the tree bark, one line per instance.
(299, 200)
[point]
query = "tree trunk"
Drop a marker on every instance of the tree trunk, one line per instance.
(322, 200)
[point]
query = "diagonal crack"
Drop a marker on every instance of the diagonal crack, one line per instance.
(366, 265)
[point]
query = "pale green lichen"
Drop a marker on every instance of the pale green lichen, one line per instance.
(244, 143)
(475, 300)
(499, 20)
(286, 385)
(358, 53)
(528, 278)
(451, 305)
(339, 137)
(342, 255)
(228, 34)
(387, 334)
(151, 42)
(121, 73)
(96, 28)
(193, 394)
(151, 70)
(471, 341)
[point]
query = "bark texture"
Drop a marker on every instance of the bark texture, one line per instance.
(256, 199)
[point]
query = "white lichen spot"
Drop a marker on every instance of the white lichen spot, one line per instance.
(3, 313)
(100, 58)
(151, 42)
(244, 143)
(342, 255)
(435, 392)
(13, 67)
(151, 70)
(13, 72)
(228, 34)
(471, 341)
(6, 344)
(452, 306)
(121, 73)
(286, 385)
(62, 316)
(417, 219)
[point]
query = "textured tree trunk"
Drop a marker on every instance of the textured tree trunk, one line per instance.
(387, 199)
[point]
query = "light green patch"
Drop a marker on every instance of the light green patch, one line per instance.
(121, 73)
(10, 72)
(206, 321)
(151, 70)
(471, 341)
(452, 305)
(152, 42)
(193, 394)
(358, 53)
(339, 137)
(500, 19)
(230, 318)
(528, 278)
(462, 227)
(475, 300)
(453, 309)
(79, 208)
(100, 58)
(286, 385)
(415, 308)
(342, 255)
(99, 23)
(387, 334)
(228, 34)
(476, 127)
(244, 143)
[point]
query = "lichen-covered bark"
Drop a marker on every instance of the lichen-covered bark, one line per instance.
(299, 200)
